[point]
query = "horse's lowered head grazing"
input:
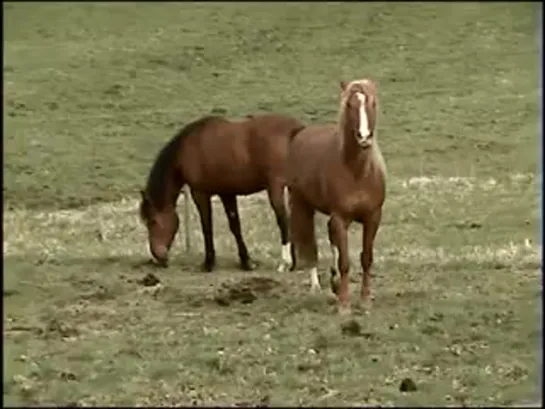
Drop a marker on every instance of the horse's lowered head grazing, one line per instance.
(162, 225)
(358, 111)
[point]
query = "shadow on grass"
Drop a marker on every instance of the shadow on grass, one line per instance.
(187, 264)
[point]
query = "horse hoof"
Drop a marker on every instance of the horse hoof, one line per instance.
(283, 267)
(247, 265)
(344, 310)
(207, 267)
(366, 303)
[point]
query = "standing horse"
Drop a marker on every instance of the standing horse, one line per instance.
(214, 155)
(339, 171)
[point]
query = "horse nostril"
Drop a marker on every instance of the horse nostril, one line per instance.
(160, 254)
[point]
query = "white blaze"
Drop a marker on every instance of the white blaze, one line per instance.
(364, 121)
(286, 261)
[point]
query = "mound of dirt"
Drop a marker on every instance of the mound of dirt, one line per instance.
(149, 280)
(246, 290)
(407, 385)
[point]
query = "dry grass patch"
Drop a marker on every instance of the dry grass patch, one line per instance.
(448, 316)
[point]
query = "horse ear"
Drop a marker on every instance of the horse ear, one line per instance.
(343, 85)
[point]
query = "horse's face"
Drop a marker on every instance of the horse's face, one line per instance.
(360, 104)
(162, 228)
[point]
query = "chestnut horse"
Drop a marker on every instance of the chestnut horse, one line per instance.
(338, 170)
(216, 156)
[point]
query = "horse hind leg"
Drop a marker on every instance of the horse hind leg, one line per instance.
(231, 210)
(370, 229)
(334, 260)
(304, 237)
(204, 207)
(277, 193)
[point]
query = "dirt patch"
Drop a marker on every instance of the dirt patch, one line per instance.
(149, 280)
(407, 385)
(353, 328)
(57, 328)
(246, 290)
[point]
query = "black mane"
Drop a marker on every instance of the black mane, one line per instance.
(161, 171)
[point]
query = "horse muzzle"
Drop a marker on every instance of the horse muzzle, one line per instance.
(161, 262)
(366, 142)
(160, 255)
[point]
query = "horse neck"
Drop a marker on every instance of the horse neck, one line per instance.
(359, 161)
(170, 191)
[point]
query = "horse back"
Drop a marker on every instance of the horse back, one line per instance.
(237, 155)
(270, 135)
(309, 146)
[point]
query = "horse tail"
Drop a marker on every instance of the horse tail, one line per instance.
(285, 191)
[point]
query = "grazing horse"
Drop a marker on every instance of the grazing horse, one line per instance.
(216, 156)
(338, 170)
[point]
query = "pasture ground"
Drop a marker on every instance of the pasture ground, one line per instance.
(92, 91)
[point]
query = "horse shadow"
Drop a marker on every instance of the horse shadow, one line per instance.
(188, 264)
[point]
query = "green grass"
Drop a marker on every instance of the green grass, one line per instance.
(91, 93)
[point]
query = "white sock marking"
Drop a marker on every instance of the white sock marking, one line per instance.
(286, 261)
(286, 254)
(314, 282)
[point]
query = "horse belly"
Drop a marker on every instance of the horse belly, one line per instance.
(239, 181)
(226, 177)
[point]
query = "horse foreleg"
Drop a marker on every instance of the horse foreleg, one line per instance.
(276, 192)
(231, 210)
(370, 228)
(338, 233)
(202, 201)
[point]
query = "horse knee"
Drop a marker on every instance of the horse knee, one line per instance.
(344, 265)
(366, 259)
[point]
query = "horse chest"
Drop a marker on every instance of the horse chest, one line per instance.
(354, 204)
(356, 199)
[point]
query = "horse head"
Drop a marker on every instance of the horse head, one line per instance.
(162, 226)
(359, 110)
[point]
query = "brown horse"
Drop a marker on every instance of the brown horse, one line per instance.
(216, 156)
(339, 171)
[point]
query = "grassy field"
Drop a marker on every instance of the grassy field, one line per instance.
(91, 93)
